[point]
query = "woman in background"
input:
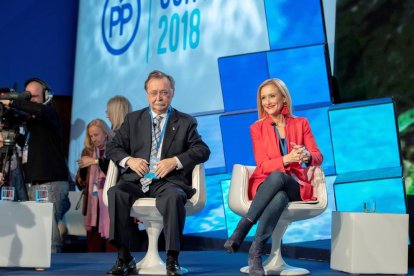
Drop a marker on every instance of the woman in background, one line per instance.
(116, 110)
(117, 107)
(91, 179)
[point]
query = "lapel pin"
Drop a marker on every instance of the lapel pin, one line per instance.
(173, 128)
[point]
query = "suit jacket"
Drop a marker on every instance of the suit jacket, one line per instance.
(269, 157)
(181, 139)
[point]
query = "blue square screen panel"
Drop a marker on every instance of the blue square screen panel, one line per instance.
(364, 137)
(294, 23)
(304, 71)
(240, 76)
(237, 144)
(210, 221)
(388, 195)
(209, 129)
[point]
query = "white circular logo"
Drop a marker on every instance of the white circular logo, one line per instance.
(120, 23)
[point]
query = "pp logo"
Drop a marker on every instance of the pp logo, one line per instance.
(120, 22)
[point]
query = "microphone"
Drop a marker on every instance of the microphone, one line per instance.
(16, 96)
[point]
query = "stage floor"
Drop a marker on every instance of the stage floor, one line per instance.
(198, 262)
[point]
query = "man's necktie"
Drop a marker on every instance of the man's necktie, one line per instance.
(145, 182)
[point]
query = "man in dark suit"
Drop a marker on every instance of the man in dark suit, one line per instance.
(158, 146)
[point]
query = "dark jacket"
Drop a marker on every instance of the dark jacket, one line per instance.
(181, 139)
(46, 161)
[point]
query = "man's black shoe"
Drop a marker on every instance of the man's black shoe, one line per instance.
(173, 268)
(121, 268)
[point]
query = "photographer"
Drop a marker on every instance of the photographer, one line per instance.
(43, 160)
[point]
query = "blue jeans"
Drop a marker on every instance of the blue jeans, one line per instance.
(58, 194)
(19, 185)
(272, 197)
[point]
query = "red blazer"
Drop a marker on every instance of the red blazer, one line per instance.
(269, 158)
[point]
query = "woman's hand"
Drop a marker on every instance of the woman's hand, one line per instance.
(293, 156)
(305, 156)
(298, 154)
(87, 161)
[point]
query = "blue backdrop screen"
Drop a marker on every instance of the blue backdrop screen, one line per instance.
(240, 77)
(294, 23)
(304, 70)
(388, 195)
(364, 136)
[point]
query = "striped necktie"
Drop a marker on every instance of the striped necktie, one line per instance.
(145, 182)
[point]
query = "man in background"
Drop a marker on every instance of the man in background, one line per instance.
(43, 161)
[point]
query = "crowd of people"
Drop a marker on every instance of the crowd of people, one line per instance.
(156, 149)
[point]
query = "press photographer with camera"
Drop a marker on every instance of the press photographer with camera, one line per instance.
(43, 161)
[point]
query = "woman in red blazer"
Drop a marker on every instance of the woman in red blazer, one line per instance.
(283, 146)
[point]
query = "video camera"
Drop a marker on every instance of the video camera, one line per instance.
(11, 119)
(11, 94)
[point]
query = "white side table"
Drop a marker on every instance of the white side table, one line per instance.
(369, 243)
(25, 234)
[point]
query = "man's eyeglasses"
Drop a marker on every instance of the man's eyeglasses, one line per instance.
(155, 93)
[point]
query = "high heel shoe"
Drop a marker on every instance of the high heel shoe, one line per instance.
(236, 239)
(255, 259)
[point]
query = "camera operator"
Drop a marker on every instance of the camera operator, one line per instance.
(43, 160)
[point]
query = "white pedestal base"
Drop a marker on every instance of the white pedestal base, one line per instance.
(152, 264)
(282, 270)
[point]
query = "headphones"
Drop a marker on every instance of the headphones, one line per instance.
(47, 95)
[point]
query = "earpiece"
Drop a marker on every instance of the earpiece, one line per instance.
(47, 95)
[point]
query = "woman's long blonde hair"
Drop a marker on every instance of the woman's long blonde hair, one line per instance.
(117, 107)
(281, 86)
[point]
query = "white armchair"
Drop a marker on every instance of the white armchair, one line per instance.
(298, 210)
(145, 210)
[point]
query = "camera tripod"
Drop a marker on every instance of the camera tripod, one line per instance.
(11, 173)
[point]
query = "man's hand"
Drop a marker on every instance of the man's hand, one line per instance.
(138, 165)
(6, 103)
(165, 166)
